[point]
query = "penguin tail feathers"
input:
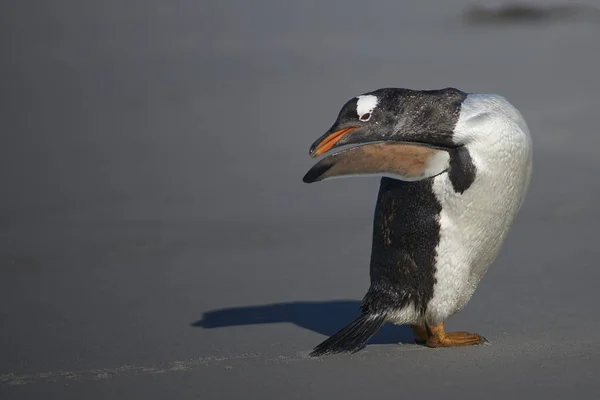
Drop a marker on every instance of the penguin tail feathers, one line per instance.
(352, 337)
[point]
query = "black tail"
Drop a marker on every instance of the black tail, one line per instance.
(352, 337)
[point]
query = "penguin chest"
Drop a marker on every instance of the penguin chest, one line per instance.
(473, 227)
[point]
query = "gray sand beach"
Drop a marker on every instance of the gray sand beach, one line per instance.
(157, 241)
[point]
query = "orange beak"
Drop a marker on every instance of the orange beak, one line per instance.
(331, 140)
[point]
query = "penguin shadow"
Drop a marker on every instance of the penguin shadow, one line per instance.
(324, 317)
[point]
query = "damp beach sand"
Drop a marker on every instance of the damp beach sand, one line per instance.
(157, 240)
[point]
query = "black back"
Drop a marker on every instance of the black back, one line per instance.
(406, 232)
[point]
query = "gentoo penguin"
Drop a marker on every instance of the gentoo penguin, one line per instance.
(455, 169)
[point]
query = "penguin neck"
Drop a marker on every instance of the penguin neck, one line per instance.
(401, 209)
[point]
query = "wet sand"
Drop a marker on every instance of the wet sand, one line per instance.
(156, 239)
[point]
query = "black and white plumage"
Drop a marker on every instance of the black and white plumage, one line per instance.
(456, 168)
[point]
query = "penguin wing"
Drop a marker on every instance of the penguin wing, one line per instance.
(399, 160)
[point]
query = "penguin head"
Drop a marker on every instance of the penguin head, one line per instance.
(412, 135)
(395, 115)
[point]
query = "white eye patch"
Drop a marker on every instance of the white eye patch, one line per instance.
(365, 106)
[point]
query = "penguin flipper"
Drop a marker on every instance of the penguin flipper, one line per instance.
(352, 337)
(399, 160)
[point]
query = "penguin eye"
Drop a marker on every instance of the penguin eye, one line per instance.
(365, 117)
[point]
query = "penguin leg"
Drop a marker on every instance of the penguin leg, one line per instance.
(420, 334)
(439, 338)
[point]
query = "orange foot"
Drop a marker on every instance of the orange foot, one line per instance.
(439, 338)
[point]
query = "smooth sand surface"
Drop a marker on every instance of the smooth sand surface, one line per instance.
(156, 239)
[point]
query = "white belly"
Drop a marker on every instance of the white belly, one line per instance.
(473, 227)
(474, 224)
